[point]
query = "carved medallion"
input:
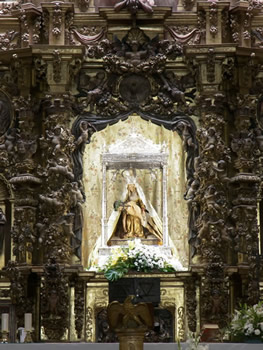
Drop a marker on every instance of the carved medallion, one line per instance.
(135, 88)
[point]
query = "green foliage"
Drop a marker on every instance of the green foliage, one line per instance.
(135, 257)
(113, 274)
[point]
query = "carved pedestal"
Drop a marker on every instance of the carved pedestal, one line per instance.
(130, 322)
(131, 339)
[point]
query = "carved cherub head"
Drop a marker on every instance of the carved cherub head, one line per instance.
(134, 46)
(211, 131)
(57, 130)
(84, 125)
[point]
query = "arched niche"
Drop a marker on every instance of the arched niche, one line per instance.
(5, 221)
(88, 169)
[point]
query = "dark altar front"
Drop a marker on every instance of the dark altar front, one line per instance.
(165, 291)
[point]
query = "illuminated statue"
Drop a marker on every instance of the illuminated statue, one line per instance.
(135, 220)
(133, 214)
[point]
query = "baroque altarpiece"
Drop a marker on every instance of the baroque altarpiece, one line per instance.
(153, 103)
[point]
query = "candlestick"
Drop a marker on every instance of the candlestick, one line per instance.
(28, 338)
(28, 322)
(5, 337)
(5, 322)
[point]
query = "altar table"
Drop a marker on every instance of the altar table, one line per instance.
(115, 346)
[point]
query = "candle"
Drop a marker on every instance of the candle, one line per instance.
(5, 322)
(28, 322)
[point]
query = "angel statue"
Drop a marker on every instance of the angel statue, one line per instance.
(134, 218)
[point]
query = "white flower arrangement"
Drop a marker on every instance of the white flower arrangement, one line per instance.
(247, 323)
(193, 343)
(136, 257)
